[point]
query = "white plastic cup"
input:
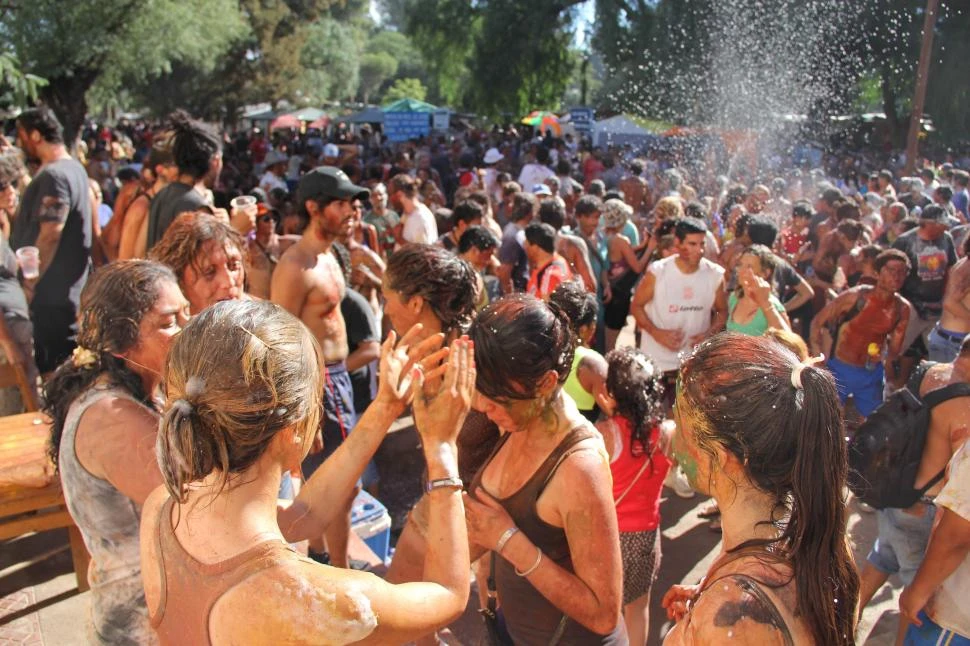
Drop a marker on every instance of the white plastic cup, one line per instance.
(244, 204)
(29, 260)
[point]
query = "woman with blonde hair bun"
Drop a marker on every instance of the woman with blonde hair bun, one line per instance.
(216, 564)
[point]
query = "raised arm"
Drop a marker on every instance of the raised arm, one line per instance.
(311, 512)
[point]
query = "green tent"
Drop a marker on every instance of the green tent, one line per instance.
(409, 105)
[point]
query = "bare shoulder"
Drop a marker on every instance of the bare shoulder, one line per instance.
(736, 610)
(296, 257)
(118, 414)
(585, 469)
(299, 603)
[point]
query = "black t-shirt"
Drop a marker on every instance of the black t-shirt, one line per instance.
(929, 261)
(512, 253)
(784, 281)
(362, 327)
(168, 204)
(59, 193)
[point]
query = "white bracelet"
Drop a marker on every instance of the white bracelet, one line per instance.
(504, 538)
(534, 565)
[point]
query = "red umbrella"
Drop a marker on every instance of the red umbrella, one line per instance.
(285, 121)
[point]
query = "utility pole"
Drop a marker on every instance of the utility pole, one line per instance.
(922, 78)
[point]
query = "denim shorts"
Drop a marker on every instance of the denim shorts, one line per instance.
(944, 345)
(901, 543)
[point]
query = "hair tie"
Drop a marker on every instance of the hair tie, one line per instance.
(796, 373)
(83, 358)
(184, 408)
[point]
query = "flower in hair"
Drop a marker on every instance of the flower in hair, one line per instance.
(83, 358)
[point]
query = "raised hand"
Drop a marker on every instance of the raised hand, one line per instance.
(440, 409)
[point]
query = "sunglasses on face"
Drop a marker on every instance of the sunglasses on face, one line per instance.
(265, 218)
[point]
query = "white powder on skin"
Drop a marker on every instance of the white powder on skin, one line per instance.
(344, 621)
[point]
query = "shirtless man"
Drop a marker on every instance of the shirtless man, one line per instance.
(309, 283)
(635, 190)
(864, 320)
(906, 532)
(947, 336)
(264, 249)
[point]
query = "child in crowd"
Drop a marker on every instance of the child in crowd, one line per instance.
(637, 444)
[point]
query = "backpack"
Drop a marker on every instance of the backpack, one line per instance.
(885, 452)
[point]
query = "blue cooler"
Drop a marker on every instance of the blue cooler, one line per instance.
(371, 522)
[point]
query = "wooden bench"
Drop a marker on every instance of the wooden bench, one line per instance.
(30, 494)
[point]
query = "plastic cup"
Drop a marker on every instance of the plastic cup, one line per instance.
(244, 203)
(29, 260)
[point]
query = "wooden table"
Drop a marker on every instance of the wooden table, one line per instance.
(30, 495)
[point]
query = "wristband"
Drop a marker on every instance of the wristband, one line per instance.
(504, 538)
(454, 482)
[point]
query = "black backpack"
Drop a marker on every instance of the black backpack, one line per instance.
(885, 452)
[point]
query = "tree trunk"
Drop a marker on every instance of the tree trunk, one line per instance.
(67, 97)
(889, 104)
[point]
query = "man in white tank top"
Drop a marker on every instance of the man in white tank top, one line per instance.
(680, 301)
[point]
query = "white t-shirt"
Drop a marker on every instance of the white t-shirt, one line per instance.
(949, 606)
(533, 174)
(269, 181)
(420, 225)
(680, 302)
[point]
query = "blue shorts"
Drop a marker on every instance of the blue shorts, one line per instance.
(901, 543)
(932, 634)
(863, 384)
(339, 417)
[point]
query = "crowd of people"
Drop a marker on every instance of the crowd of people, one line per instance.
(198, 293)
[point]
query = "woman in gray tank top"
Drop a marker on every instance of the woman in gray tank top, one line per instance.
(103, 402)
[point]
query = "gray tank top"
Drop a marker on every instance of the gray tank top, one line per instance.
(109, 522)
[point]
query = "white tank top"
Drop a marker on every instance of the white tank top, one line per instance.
(680, 302)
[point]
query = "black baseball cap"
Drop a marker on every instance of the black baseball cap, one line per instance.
(328, 181)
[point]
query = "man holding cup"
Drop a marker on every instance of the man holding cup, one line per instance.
(53, 235)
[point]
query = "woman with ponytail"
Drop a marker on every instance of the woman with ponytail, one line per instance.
(761, 432)
(243, 384)
(104, 404)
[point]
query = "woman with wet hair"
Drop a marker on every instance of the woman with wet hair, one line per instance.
(216, 564)
(104, 403)
(206, 255)
(426, 285)
(543, 502)
(762, 433)
(587, 376)
(634, 402)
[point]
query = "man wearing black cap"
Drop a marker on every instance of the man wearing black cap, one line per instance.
(931, 254)
(309, 283)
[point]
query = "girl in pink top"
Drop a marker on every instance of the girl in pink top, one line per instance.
(632, 434)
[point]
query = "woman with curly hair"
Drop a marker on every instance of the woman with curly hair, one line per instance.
(105, 403)
(637, 444)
